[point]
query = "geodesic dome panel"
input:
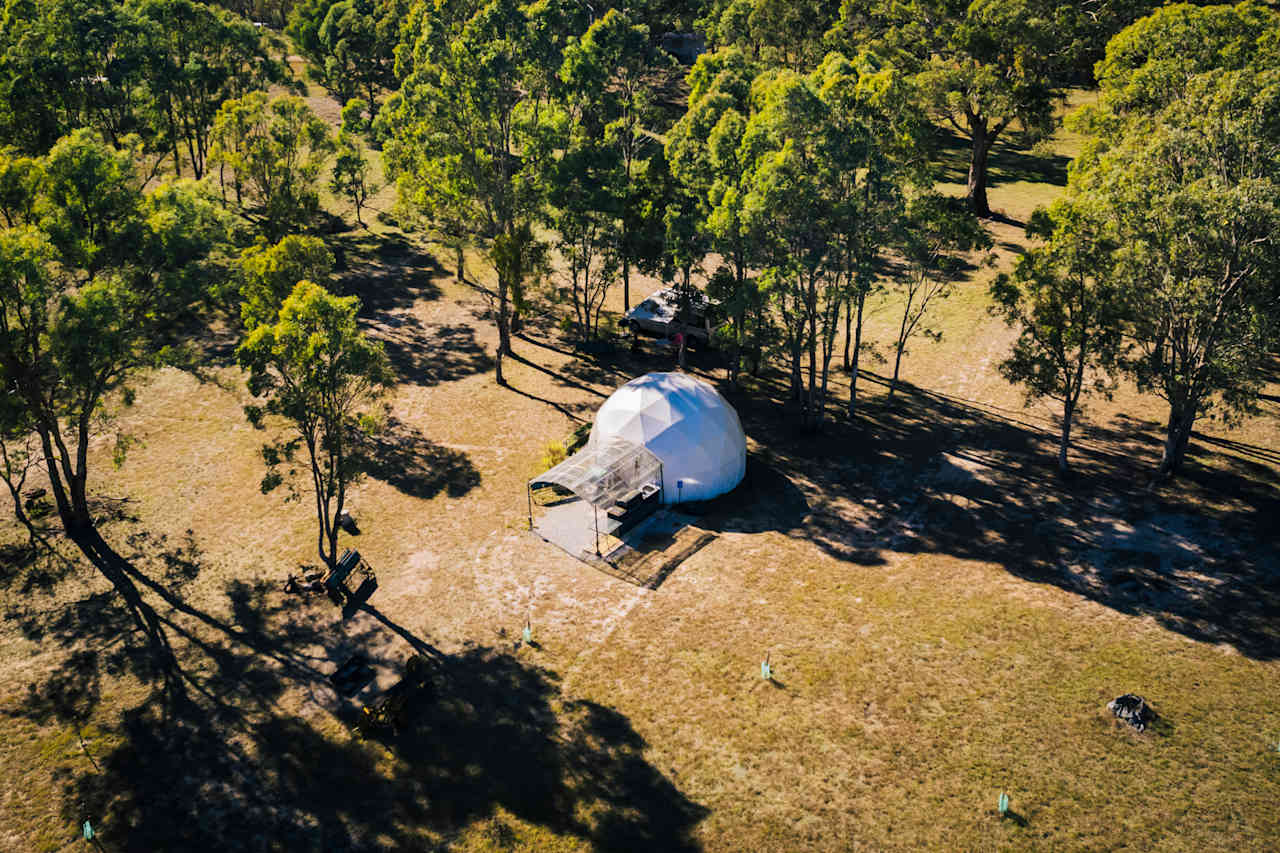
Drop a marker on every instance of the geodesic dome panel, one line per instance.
(686, 424)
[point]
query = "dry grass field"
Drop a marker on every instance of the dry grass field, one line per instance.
(946, 618)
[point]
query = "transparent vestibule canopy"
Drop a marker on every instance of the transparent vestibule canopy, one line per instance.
(604, 471)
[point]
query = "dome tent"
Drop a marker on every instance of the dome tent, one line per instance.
(686, 424)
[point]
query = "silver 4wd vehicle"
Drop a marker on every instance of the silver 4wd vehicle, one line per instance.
(661, 315)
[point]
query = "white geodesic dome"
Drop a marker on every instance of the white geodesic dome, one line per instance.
(685, 423)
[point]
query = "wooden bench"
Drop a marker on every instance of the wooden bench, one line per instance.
(347, 563)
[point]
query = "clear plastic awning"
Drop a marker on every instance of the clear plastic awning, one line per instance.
(602, 472)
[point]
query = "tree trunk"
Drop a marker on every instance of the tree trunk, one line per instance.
(735, 358)
(861, 300)
(897, 363)
(1068, 409)
(1177, 435)
(757, 349)
(626, 284)
(462, 273)
(797, 380)
(848, 323)
(811, 398)
(976, 189)
(15, 490)
(332, 536)
(504, 319)
(899, 346)
(504, 331)
(67, 481)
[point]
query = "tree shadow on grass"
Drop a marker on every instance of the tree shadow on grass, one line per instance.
(387, 271)
(403, 457)
(231, 763)
(26, 570)
(928, 473)
(1008, 162)
(428, 354)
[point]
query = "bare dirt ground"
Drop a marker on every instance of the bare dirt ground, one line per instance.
(946, 619)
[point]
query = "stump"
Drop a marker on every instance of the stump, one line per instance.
(1133, 710)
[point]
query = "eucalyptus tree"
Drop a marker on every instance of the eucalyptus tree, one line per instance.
(787, 212)
(1147, 65)
(276, 149)
(889, 142)
(196, 57)
(703, 152)
(159, 68)
(315, 369)
(353, 173)
(270, 272)
(583, 213)
(820, 181)
(935, 238)
(999, 65)
(349, 44)
(785, 33)
(66, 64)
(95, 274)
(608, 77)
(1183, 170)
(470, 135)
(981, 67)
(1066, 305)
(1192, 193)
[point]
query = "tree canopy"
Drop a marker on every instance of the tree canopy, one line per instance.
(158, 68)
(470, 135)
(315, 369)
(96, 276)
(275, 149)
(1068, 309)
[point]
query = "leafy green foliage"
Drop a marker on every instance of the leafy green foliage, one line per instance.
(349, 44)
(197, 57)
(159, 68)
(980, 67)
(1190, 192)
(823, 170)
(702, 154)
(353, 174)
(315, 369)
(268, 274)
(471, 135)
(607, 77)
(66, 64)
(95, 277)
(275, 149)
(784, 33)
(1068, 309)
(1148, 65)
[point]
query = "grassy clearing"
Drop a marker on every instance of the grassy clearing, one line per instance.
(945, 617)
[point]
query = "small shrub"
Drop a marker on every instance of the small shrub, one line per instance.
(552, 455)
